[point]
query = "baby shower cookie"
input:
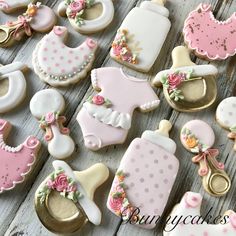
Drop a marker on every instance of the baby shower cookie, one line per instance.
(59, 65)
(198, 138)
(131, 45)
(210, 38)
(64, 201)
(47, 106)
(187, 87)
(193, 222)
(9, 6)
(106, 117)
(13, 93)
(87, 16)
(16, 162)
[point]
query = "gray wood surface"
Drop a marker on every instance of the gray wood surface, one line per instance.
(18, 217)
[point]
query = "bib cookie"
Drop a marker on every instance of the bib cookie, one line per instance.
(9, 6)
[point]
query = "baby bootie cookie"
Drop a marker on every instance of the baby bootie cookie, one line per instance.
(106, 117)
(38, 17)
(190, 205)
(198, 138)
(145, 177)
(87, 16)
(46, 106)
(187, 87)
(9, 6)
(59, 65)
(16, 162)
(64, 201)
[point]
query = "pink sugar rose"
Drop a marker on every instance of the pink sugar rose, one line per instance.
(61, 183)
(117, 50)
(98, 100)
(115, 204)
(127, 57)
(50, 118)
(77, 6)
(175, 80)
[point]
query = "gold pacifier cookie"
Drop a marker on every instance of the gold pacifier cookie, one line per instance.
(187, 87)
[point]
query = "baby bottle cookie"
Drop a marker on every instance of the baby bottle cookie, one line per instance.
(16, 162)
(9, 6)
(59, 65)
(131, 45)
(198, 138)
(38, 17)
(64, 201)
(46, 106)
(187, 87)
(87, 16)
(106, 117)
(190, 205)
(145, 177)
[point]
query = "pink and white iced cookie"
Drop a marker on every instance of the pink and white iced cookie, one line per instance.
(9, 6)
(16, 162)
(59, 65)
(193, 224)
(208, 37)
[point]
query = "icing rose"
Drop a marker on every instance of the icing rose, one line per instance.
(91, 43)
(117, 49)
(116, 204)
(191, 142)
(50, 118)
(98, 100)
(77, 5)
(61, 183)
(175, 80)
(50, 184)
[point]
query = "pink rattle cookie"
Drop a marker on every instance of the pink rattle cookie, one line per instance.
(16, 162)
(9, 6)
(208, 37)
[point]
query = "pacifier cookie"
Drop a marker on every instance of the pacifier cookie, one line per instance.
(47, 106)
(210, 38)
(37, 18)
(106, 117)
(59, 65)
(87, 16)
(145, 177)
(187, 87)
(64, 201)
(16, 162)
(9, 6)
(198, 138)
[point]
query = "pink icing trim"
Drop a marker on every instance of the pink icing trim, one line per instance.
(91, 43)
(59, 30)
(232, 218)
(192, 200)
(3, 125)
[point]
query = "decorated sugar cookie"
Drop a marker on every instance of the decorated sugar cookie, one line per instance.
(87, 16)
(13, 93)
(59, 65)
(47, 106)
(187, 87)
(16, 162)
(131, 45)
(193, 223)
(207, 37)
(37, 18)
(145, 177)
(64, 201)
(198, 138)
(226, 116)
(9, 6)
(106, 117)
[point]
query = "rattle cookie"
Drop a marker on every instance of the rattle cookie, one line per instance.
(64, 201)
(9, 6)
(38, 17)
(198, 138)
(59, 65)
(209, 38)
(226, 116)
(187, 87)
(106, 117)
(16, 162)
(13, 93)
(145, 177)
(87, 16)
(46, 106)
(131, 45)
(193, 223)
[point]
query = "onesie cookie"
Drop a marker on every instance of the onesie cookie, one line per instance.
(59, 65)
(13, 92)
(226, 116)
(64, 201)
(198, 138)
(9, 6)
(145, 177)
(209, 38)
(187, 87)
(16, 162)
(131, 45)
(47, 106)
(87, 16)
(193, 222)
(106, 117)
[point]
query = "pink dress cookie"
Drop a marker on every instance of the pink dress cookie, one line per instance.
(208, 37)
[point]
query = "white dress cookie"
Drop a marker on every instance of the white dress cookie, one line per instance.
(9, 6)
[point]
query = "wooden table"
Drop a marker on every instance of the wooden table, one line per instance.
(18, 217)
